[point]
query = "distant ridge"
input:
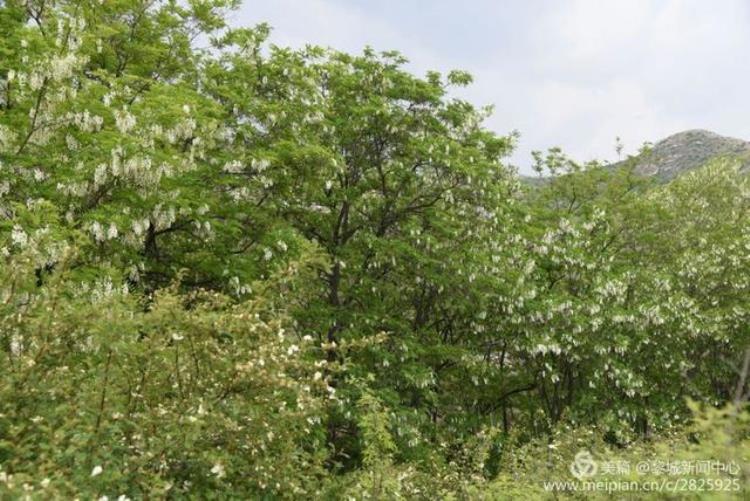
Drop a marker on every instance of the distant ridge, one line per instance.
(688, 150)
(678, 154)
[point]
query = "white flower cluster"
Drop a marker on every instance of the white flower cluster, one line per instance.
(85, 121)
(238, 288)
(100, 234)
(19, 237)
(203, 228)
(124, 121)
(163, 218)
(185, 129)
(62, 67)
(233, 167)
(260, 165)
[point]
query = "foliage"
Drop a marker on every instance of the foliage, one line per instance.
(248, 271)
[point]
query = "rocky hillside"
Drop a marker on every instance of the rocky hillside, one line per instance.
(689, 150)
(680, 153)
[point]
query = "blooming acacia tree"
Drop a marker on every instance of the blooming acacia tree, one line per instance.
(102, 115)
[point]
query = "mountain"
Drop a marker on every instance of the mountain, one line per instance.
(679, 153)
(688, 150)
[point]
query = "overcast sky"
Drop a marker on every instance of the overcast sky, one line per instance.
(569, 73)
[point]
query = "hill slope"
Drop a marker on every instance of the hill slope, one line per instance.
(679, 153)
(688, 150)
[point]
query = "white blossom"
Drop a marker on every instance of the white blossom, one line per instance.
(112, 231)
(124, 121)
(218, 470)
(18, 236)
(62, 67)
(97, 231)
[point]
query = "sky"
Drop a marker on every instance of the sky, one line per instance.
(569, 73)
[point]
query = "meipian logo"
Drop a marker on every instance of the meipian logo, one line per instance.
(584, 465)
